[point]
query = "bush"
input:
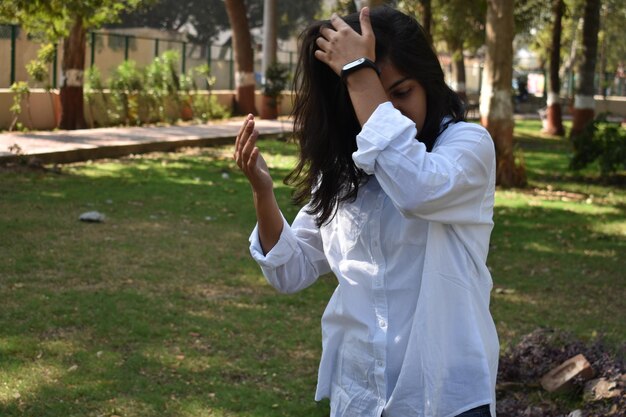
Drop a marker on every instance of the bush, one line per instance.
(156, 93)
(126, 84)
(603, 141)
(276, 79)
(162, 85)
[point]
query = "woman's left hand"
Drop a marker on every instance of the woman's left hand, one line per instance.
(341, 44)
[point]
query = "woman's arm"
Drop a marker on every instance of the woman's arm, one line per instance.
(340, 45)
(250, 161)
(452, 184)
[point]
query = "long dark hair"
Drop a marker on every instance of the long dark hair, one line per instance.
(325, 124)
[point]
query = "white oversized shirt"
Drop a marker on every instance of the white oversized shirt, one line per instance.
(408, 331)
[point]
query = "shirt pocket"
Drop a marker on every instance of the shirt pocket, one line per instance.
(350, 220)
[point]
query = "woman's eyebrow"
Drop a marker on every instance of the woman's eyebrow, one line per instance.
(397, 83)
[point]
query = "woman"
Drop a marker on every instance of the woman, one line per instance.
(399, 194)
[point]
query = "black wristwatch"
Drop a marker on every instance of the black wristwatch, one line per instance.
(356, 65)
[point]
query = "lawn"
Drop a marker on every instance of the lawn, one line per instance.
(160, 311)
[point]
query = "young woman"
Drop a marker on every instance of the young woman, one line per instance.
(399, 195)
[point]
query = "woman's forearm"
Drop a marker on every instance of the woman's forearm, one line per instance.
(366, 93)
(269, 218)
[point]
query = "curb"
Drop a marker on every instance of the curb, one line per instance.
(137, 144)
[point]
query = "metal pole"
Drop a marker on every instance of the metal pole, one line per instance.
(156, 48)
(93, 48)
(269, 35)
(183, 64)
(54, 67)
(208, 87)
(126, 45)
(232, 69)
(13, 36)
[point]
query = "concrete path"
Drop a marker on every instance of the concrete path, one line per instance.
(82, 145)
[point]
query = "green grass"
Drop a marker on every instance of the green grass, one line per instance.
(160, 311)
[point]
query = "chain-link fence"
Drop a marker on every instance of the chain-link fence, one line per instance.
(107, 50)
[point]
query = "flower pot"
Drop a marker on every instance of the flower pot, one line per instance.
(186, 112)
(269, 108)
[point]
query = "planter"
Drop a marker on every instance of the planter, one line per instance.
(186, 112)
(269, 108)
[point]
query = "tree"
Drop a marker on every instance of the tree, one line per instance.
(420, 10)
(461, 28)
(583, 100)
(554, 117)
(496, 108)
(206, 17)
(51, 21)
(244, 64)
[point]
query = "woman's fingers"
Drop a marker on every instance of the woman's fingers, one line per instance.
(322, 43)
(242, 139)
(339, 43)
(254, 155)
(249, 145)
(243, 128)
(366, 24)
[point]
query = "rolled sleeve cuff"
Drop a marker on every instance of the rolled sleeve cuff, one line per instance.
(385, 124)
(284, 249)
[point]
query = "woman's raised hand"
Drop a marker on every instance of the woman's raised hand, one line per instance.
(340, 44)
(249, 160)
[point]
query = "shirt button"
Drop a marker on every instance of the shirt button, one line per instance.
(382, 323)
(381, 402)
(379, 363)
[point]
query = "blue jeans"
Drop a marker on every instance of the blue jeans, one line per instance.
(482, 411)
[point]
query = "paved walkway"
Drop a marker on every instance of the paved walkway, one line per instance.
(81, 145)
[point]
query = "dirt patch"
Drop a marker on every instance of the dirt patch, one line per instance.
(521, 367)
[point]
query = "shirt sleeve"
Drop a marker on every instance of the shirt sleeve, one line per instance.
(451, 184)
(297, 259)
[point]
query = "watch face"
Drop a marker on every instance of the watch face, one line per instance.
(353, 64)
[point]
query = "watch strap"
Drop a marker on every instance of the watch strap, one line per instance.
(358, 64)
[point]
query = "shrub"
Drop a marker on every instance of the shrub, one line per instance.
(126, 83)
(21, 93)
(162, 85)
(93, 88)
(603, 141)
(276, 79)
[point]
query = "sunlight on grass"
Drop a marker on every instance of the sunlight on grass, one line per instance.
(539, 247)
(26, 380)
(617, 228)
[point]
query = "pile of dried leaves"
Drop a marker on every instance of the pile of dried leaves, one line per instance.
(521, 368)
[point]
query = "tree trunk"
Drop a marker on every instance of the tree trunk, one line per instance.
(244, 58)
(73, 67)
(554, 124)
(496, 107)
(584, 103)
(458, 69)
